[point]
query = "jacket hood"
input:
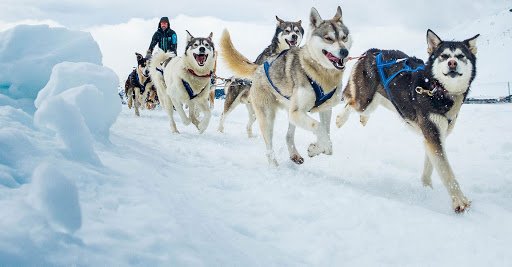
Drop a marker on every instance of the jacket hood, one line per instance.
(166, 19)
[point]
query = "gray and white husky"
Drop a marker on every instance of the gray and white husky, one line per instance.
(186, 81)
(299, 80)
(288, 34)
(427, 97)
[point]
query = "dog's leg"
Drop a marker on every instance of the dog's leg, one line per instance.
(192, 114)
(204, 106)
(343, 116)
(179, 108)
(265, 116)
(137, 100)
(167, 104)
(290, 141)
(301, 119)
(129, 95)
(212, 97)
(434, 130)
(252, 119)
(230, 104)
(426, 177)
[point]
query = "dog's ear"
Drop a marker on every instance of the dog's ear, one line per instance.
(139, 56)
(279, 21)
(189, 36)
(471, 44)
(337, 17)
(299, 22)
(210, 36)
(433, 41)
(315, 18)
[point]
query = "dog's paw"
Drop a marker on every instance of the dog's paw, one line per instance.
(427, 181)
(315, 149)
(339, 121)
(296, 158)
(460, 204)
(187, 121)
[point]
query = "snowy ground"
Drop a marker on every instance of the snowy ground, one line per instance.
(211, 199)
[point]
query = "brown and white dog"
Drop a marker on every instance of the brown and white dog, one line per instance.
(138, 86)
(427, 97)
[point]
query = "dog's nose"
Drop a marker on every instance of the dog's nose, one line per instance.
(202, 49)
(452, 64)
(343, 53)
(295, 37)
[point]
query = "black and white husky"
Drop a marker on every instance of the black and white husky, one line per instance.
(427, 97)
(288, 34)
(138, 85)
(186, 81)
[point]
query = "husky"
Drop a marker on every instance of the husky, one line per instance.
(427, 97)
(138, 85)
(288, 34)
(299, 80)
(185, 80)
(237, 92)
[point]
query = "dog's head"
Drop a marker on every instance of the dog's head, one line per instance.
(328, 40)
(452, 63)
(200, 51)
(142, 65)
(289, 34)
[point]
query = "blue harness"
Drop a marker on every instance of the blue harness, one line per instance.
(141, 86)
(381, 65)
(190, 91)
(321, 97)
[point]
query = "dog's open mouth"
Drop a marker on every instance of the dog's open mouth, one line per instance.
(336, 61)
(201, 59)
(453, 74)
(291, 43)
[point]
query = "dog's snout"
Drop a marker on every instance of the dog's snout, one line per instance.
(343, 53)
(452, 64)
(295, 37)
(202, 49)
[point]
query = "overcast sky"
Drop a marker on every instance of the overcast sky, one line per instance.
(437, 14)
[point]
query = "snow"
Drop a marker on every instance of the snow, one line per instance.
(27, 65)
(85, 182)
(57, 197)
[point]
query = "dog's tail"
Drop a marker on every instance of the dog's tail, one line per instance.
(156, 70)
(235, 61)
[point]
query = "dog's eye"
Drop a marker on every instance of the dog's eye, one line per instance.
(206, 45)
(445, 56)
(287, 31)
(328, 38)
(460, 56)
(345, 38)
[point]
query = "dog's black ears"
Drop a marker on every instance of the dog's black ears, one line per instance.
(315, 18)
(433, 41)
(210, 36)
(337, 17)
(471, 44)
(189, 36)
(299, 22)
(139, 56)
(279, 21)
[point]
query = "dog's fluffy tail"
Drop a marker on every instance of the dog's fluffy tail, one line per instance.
(235, 61)
(157, 77)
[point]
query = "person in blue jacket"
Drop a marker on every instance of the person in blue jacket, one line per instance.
(165, 37)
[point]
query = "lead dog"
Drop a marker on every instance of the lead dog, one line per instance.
(299, 80)
(186, 81)
(427, 97)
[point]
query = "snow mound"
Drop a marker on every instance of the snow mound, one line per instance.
(57, 197)
(90, 95)
(28, 53)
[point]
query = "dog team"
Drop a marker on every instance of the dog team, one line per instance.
(308, 79)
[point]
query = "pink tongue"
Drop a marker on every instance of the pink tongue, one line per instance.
(200, 58)
(331, 57)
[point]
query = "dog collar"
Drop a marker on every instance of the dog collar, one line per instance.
(191, 71)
